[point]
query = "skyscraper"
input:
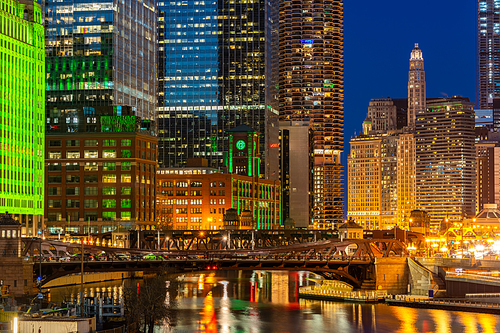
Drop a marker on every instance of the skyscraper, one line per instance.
(215, 73)
(488, 53)
(311, 86)
(100, 114)
(22, 78)
(446, 158)
(416, 86)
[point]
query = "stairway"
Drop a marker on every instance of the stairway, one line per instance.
(369, 285)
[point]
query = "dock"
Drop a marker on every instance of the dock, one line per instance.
(318, 293)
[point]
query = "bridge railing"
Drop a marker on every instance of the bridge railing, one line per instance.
(478, 276)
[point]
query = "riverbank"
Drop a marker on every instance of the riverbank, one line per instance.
(444, 304)
(75, 279)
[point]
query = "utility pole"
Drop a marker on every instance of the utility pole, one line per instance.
(40, 269)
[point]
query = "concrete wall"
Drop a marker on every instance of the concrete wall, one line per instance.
(90, 277)
(58, 325)
(392, 275)
(421, 279)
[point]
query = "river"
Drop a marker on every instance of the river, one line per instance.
(267, 301)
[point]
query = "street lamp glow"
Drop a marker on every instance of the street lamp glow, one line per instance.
(15, 325)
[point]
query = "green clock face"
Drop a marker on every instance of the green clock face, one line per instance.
(240, 144)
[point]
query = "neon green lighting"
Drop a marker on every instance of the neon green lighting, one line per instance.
(118, 124)
(240, 144)
(22, 108)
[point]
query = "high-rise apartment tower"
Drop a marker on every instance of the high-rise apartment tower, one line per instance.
(488, 53)
(311, 86)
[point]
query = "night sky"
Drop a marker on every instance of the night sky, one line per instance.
(378, 39)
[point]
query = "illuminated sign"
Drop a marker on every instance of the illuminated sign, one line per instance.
(307, 41)
(117, 124)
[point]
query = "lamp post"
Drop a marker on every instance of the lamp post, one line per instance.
(81, 280)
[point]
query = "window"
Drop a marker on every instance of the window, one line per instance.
(72, 143)
(167, 184)
(109, 178)
(72, 191)
(181, 193)
(90, 216)
(73, 166)
(55, 143)
(109, 154)
(126, 203)
(126, 154)
(196, 201)
(196, 193)
(126, 166)
(196, 219)
(55, 154)
(91, 143)
(72, 216)
(126, 191)
(54, 203)
(91, 203)
(126, 142)
(109, 166)
(182, 184)
(125, 216)
(91, 178)
(109, 190)
(72, 203)
(91, 153)
(91, 166)
(55, 167)
(55, 178)
(73, 154)
(54, 217)
(90, 190)
(108, 216)
(196, 210)
(108, 203)
(138, 143)
(196, 184)
(109, 143)
(126, 179)
(54, 191)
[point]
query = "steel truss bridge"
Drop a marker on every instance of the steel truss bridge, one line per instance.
(350, 260)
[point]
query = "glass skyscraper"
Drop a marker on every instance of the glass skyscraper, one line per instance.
(22, 78)
(100, 112)
(215, 72)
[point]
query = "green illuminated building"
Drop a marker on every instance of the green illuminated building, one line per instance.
(22, 100)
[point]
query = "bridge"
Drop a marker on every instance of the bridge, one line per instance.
(350, 260)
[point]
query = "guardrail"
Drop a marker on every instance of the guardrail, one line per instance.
(483, 295)
(482, 277)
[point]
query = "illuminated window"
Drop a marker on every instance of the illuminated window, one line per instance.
(90, 153)
(55, 154)
(109, 154)
(126, 178)
(109, 190)
(109, 178)
(126, 166)
(126, 203)
(108, 166)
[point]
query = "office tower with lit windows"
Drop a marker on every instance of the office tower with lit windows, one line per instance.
(446, 159)
(488, 53)
(22, 81)
(372, 180)
(416, 86)
(406, 178)
(100, 115)
(216, 71)
(311, 86)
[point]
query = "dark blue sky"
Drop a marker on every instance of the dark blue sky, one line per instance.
(378, 39)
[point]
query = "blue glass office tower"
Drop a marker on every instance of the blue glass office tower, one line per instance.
(215, 71)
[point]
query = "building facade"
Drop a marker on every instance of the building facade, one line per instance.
(100, 115)
(195, 198)
(488, 56)
(296, 166)
(487, 171)
(372, 180)
(216, 70)
(446, 159)
(383, 114)
(416, 86)
(22, 87)
(406, 178)
(311, 86)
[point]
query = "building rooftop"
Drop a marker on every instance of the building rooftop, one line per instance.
(489, 211)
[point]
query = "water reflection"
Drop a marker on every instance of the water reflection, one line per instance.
(267, 301)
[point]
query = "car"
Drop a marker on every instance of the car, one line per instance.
(122, 256)
(152, 256)
(103, 256)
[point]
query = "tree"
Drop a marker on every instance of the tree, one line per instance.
(148, 304)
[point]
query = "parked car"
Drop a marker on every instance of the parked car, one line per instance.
(122, 256)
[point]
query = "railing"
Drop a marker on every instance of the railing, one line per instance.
(483, 295)
(457, 303)
(483, 277)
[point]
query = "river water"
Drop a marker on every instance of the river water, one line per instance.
(267, 301)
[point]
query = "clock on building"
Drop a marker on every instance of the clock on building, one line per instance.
(240, 144)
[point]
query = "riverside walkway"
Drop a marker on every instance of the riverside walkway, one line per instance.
(444, 304)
